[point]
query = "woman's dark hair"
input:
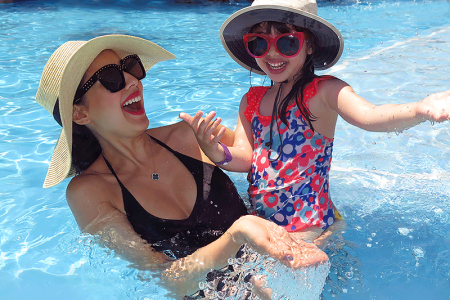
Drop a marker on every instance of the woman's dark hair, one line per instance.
(85, 146)
(305, 76)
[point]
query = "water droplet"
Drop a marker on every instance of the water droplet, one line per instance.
(403, 231)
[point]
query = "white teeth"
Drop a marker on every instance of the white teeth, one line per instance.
(136, 99)
(277, 66)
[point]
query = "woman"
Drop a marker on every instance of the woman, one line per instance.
(151, 194)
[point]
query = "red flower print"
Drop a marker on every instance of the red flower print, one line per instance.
(323, 201)
(289, 173)
(296, 225)
(262, 162)
(278, 165)
(310, 170)
(316, 182)
(283, 128)
(270, 200)
(306, 155)
(298, 205)
(308, 134)
(253, 190)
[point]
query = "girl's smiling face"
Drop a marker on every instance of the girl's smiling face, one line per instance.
(276, 66)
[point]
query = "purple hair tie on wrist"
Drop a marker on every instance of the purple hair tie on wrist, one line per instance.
(227, 158)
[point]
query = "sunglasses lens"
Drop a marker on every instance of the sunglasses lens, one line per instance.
(288, 45)
(257, 46)
(133, 66)
(112, 79)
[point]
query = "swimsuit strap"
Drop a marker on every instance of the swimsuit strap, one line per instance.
(164, 145)
(112, 171)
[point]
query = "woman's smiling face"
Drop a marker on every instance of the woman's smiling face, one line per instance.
(122, 110)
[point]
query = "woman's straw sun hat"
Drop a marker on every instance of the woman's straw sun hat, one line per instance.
(302, 13)
(61, 77)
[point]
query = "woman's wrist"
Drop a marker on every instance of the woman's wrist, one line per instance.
(235, 232)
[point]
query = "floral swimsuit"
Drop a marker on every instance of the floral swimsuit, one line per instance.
(292, 191)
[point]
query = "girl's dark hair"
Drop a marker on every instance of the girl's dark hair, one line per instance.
(85, 146)
(305, 76)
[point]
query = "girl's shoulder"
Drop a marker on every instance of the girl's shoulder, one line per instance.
(256, 93)
(252, 100)
(320, 79)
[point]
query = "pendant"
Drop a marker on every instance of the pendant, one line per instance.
(155, 176)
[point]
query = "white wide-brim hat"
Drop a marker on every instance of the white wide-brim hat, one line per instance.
(62, 75)
(302, 13)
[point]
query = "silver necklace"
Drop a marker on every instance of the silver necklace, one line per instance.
(155, 175)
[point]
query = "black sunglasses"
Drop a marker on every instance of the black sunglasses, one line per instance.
(111, 76)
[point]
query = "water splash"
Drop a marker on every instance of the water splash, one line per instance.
(252, 275)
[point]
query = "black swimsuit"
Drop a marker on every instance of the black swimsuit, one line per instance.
(217, 206)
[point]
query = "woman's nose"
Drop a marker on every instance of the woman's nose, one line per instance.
(130, 80)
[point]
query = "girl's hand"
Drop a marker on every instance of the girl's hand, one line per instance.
(435, 107)
(203, 129)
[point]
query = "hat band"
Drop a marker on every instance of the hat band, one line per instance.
(56, 114)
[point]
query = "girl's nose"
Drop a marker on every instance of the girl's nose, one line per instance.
(272, 50)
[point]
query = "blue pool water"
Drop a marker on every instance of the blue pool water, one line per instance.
(393, 189)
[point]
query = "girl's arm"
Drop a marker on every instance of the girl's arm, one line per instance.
(388, 117)
(208, 134)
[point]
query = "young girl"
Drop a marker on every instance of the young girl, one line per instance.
(285, 131)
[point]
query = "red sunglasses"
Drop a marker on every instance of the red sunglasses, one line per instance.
(287, 44)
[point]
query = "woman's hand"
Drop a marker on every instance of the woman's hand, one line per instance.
(268, 238)
(435, 107)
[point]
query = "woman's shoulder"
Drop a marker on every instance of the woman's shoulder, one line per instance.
(178, 136)
(87, 193)
(88, 185)
(179, 133)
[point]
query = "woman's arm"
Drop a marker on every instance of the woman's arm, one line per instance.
(95, 215)
(388, 117)
(263, 236)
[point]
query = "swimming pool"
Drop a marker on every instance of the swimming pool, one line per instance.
(394, 189)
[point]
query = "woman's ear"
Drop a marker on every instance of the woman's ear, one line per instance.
(80, 115)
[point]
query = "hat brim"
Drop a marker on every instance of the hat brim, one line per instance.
(329, 41)
(77, 63)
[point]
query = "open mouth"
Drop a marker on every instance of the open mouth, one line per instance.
(276, 66)
(133, 104)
